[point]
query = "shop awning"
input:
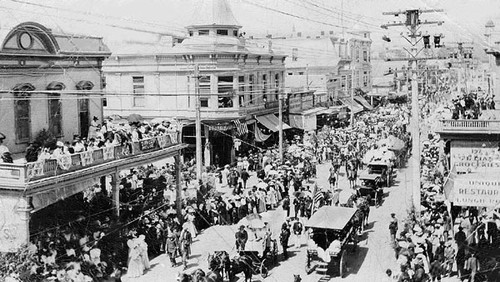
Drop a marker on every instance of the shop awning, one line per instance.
(363, 102)
(355, 108)
(313, 111)
(271, 122)
(306, 120)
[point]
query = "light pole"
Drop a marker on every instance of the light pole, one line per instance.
(199, 159)
(352, 97)
(280, 118)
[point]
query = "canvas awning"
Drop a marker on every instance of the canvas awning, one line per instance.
(329, 217)
(271, 122)
(306, 120)
(363, 102)
(355, 108)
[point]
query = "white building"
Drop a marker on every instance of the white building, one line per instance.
(238, 81)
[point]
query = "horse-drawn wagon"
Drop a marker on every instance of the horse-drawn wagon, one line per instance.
(332, 230)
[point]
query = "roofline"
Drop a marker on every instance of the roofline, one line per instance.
(61, 55)
(199, 53)
(213, 25)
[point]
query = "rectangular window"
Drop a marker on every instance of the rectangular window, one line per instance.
(225, 85)
(205, 85)
(276, 86)
(190, 33)
(83, 115)
(295, 54)
(226, 91)
(138, 90)
(203, 32)
(23, 118)
(55, 116)
(235, 32)
(222, 32)
(250, 89)
(290, 73)
(365, 56)
(241, 90)
(342, 82)
(264, 83)
(301, 73)
(204, 102)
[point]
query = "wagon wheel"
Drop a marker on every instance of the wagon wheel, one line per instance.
(342, 265)
(264, 272)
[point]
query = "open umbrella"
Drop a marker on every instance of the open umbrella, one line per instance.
(134, 118)
(253, 221)
(115, 116)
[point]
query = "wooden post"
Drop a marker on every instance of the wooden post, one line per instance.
(178, 197)
(116, 192)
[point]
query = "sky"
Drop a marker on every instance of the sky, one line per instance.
(115, 20)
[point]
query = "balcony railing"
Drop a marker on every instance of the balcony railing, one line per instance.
(24, 173)
(470, 126)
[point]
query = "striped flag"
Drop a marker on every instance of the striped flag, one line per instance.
(241, 128)
(319, 196)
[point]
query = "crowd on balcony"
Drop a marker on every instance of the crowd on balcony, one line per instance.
(471, 105)
(104, 135)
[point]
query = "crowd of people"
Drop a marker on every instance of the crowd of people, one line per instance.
(442, 242)
(104, 135)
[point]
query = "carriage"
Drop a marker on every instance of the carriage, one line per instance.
(261, 265)
(380, 169)
(371, 185)
(332, 233)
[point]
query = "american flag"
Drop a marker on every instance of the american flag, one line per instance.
(241, 128)
(318, 196)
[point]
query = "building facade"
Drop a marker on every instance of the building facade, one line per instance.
(49, 81)
(237, 82)
(318, 70)
(54, 82)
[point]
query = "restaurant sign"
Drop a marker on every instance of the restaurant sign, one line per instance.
(479, 191)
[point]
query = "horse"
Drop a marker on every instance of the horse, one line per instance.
(352, 173)
(199, 276)
(241, 264)
(297, 278)
(220, 262)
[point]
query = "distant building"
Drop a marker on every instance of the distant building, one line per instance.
(239, 83)
(321, 65)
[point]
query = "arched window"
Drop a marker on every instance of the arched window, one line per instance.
(55, 108)
(22, 111)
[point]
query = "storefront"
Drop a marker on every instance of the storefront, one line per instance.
(474, 179)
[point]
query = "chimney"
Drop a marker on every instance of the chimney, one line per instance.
(270, 46)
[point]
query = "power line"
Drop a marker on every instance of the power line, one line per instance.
(290, 14)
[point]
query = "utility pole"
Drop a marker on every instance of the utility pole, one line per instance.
(199, 159)
(413, 23)
(352, 97)
(280, 125)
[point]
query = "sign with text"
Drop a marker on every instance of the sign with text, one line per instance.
(480, 191)
(147, 144)
(471, 157)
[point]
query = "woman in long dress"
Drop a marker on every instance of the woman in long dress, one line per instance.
(190, 222)
(135, 264)
(144, 251)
